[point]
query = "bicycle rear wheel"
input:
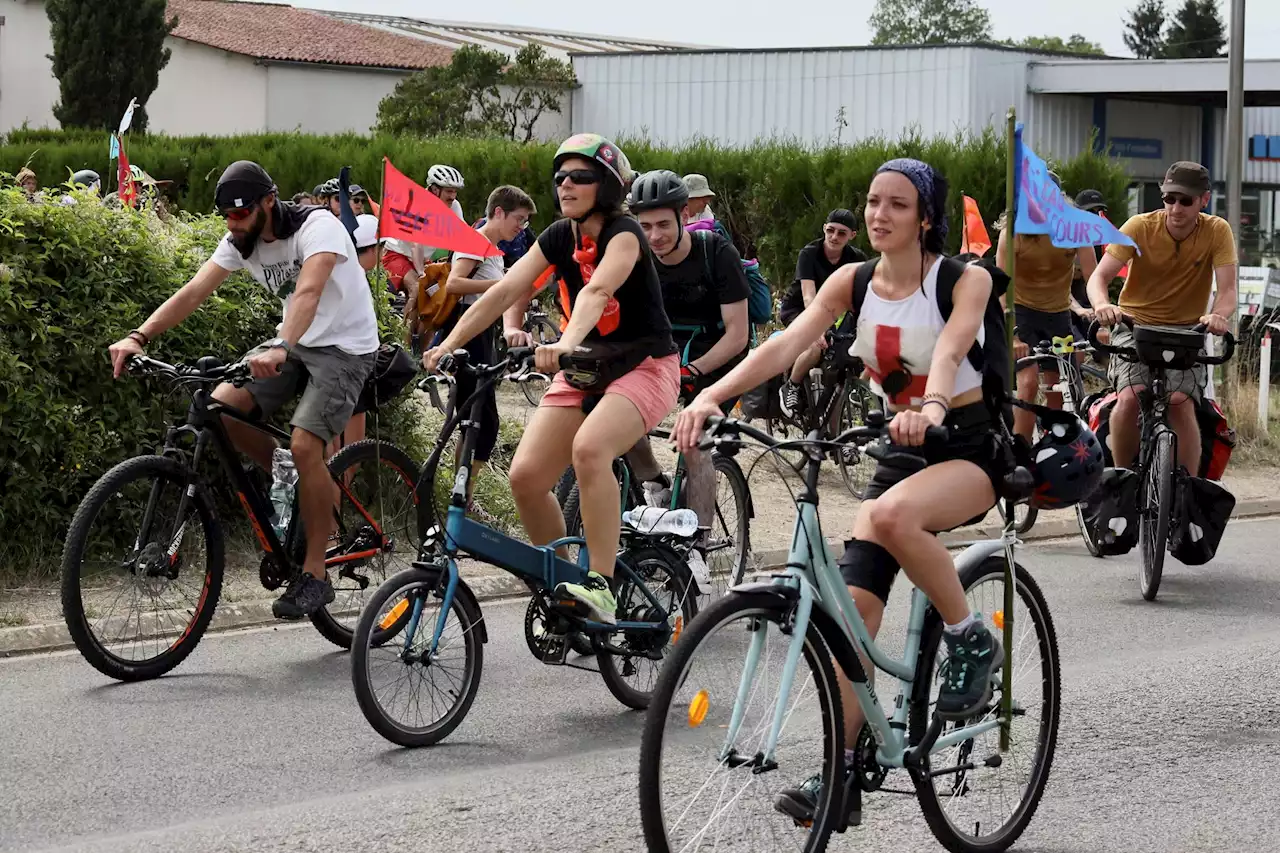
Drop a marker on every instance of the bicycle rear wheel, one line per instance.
(1090, 542)
(987, 799)
(139, 584)
(699, 789)
(1157, 506)
(855, 466)
(728, 543)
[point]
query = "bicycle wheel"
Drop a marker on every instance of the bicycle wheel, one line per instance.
(139, 584)
(1091, 543)
(696, 794)
(631, 673)
(395, 678)
(376, 530)
(1157, 505)
(543, 332)
(855, 466)
(987, 799)
(728, 543)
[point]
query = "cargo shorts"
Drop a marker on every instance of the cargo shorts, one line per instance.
(1125, 373)
(329, 380)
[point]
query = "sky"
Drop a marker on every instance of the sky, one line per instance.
(798, 23)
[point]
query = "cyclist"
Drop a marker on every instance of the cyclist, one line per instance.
(1093, 202)
(1043, 307)
(703, 286)
(325, 349)
(28, 182)
(1183, 250)
(900, 329)
(612, 299)
(817, 261)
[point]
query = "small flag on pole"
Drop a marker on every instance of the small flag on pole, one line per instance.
(975, 240)
(127, 120)
(412, 214)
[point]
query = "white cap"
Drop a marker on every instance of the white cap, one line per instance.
(366, 231)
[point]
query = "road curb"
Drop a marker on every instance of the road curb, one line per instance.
(34, 639)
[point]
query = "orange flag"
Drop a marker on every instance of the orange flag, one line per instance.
(412, 214)
(975, 238)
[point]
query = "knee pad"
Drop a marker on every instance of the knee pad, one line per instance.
(868, 566)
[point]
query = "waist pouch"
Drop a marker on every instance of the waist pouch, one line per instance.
(596, 365)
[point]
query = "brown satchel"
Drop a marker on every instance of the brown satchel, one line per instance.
(435, 308)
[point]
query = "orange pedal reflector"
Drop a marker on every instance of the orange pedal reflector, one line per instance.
(698, 708)
(997, 619)
(679, 629)
(394, 614)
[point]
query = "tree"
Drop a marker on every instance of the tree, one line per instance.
(479, 93)
(1196, 31)
(1075, 44)
(104, 55)
(1144, 29)
(930, 22)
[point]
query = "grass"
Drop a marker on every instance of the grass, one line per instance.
(13, 620)
(1254, 445)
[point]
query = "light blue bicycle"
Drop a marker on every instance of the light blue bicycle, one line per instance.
(749, 704)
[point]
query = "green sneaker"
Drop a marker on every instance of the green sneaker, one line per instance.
(595, 593)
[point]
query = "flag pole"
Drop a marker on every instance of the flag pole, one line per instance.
(1011, 218)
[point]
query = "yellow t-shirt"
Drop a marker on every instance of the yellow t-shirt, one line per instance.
(1042, 274)
(1170, 282)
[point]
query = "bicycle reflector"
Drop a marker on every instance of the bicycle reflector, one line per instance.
(698, 707)
(394, 614)
(997, 619)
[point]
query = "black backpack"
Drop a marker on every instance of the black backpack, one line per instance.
(991, 358)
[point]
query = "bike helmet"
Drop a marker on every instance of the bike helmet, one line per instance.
(610, 163)
(1067, 461)
(243, 183)
(329, 188)
(86, 178)
(445, 177)
(658, 190)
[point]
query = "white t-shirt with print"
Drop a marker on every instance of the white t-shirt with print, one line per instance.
(489, 268)
(404, 247)
(344, 316)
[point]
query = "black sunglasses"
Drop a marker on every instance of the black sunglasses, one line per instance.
(1181, 200)
(580, 177)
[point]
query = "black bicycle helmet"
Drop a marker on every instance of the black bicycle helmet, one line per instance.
(658, 190)
(86, 178)
(608, 161)
(243, 183)
(1067, 461)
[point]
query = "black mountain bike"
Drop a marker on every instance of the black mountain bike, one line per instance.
(142, 568)
(1160, 348)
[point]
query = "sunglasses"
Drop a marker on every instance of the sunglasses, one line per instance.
(236, 214)
(580, 177)
(1180, 200)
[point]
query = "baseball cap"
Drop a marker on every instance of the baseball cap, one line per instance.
(1187, 178)
(1090, 200)
(843, 216)
(366, 231)
(242, 184)
(355, 190)
(699, 186)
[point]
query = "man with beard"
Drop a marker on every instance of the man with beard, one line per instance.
(325, 348)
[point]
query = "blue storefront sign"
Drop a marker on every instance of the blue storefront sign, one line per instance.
(1136, 147)
(1263, 147)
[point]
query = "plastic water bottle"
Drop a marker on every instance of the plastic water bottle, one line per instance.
(653, 519)
(658, 493)
(284, 483)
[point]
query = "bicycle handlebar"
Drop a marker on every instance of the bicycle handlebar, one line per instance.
(1131, 353)
(206, 370)
(861, 436)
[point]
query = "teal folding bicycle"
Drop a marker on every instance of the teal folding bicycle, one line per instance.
(748, 704)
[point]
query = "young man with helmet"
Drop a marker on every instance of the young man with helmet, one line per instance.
(704, 291)
(325, 348)
(612, 299)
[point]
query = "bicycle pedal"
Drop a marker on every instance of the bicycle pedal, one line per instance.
(571, 607)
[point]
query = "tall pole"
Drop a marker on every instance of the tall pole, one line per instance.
(1235, 130)
(1011, 218)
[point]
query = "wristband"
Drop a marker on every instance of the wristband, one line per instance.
(936, 397)
(936, 402)
(140, 337)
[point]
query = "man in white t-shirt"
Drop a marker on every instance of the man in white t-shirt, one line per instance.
(405, 261)
(325, 349)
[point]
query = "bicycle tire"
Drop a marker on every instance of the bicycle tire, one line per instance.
(741, 534)
(370, 451)
(1028, 519)
(365, 642)
(1090, 543)
(643, 562)
(74, 610)
(1155, 518)
(674, 674)
(1033, 600)
(858, 401)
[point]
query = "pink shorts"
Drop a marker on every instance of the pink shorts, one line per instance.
(653, 388)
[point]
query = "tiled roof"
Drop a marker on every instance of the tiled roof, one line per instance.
(283, 33)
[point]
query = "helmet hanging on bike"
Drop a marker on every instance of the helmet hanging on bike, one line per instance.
(1066, 461)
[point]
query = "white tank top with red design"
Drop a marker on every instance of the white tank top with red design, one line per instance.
(895, 340)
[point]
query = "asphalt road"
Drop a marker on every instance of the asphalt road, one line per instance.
(1169, 739)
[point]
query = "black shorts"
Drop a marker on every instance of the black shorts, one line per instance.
(1034, 327)
(973, 438)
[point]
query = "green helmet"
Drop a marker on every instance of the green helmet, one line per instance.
(609, 160)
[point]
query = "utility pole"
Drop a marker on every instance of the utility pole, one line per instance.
(1235, 147)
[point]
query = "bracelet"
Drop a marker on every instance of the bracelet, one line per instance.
(936, 397)
(138, 333)
(936, 402)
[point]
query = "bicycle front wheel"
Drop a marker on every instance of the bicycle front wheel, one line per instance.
(700, 785)
(981, 800)
(543, 332)
(140, 584)
(1157, 508)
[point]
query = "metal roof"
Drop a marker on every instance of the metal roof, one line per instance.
(1187, 81)
(507, 39)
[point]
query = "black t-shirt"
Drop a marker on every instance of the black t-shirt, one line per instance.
(641, 313)
(693, 300)
(813, 264)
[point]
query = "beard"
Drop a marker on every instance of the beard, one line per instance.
(247, 240)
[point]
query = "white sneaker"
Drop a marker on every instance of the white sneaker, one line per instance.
(789, 398)
(700, 570)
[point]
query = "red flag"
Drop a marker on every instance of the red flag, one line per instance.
(127, 191)
(411, 213)
(975, 238)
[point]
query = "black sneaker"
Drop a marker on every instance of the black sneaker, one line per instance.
(789, 398)
(972, 658)
(801, 803)
(304, 597)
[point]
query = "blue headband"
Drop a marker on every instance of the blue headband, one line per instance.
(924, 178)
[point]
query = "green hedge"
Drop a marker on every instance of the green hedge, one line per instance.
(774, 196)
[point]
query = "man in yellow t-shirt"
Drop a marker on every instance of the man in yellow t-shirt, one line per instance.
(1183, 251)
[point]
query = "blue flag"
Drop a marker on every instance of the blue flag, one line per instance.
(1043, 209)
(115, 147)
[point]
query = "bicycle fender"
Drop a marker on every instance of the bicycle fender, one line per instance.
(830, 632)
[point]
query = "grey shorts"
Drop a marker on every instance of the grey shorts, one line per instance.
(329, 380)
(1125, 373)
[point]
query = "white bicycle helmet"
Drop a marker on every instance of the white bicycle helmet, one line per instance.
(445, 177)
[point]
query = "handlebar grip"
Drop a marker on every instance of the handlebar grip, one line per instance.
(1094, 328)
(1229, 349)
(518, 354)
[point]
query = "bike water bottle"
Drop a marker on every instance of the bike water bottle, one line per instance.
(284, 483)
(654, 519)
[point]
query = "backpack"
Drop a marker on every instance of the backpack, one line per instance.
(991, 358)
(759, 297)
